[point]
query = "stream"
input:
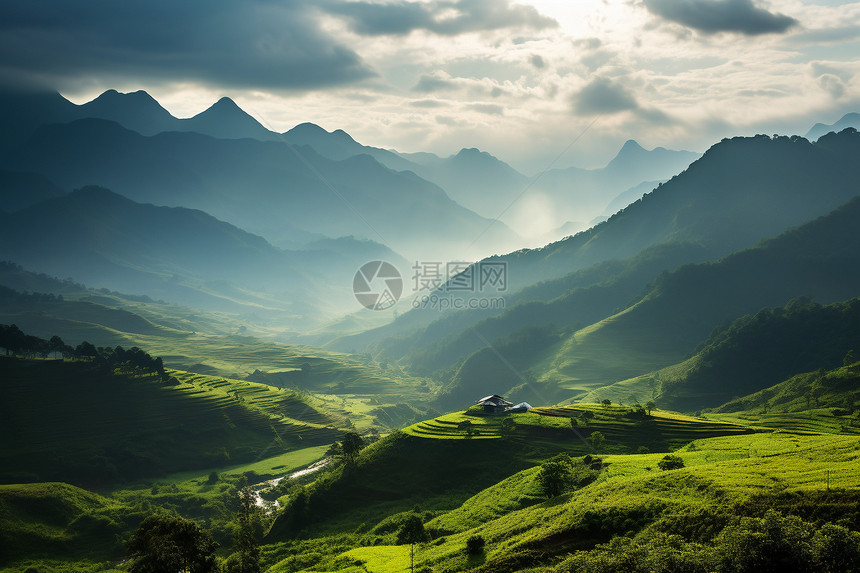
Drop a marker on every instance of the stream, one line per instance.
(269, 505)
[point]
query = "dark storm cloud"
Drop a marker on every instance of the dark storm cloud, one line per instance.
(257, 43)
(603, 95)
(711, 16)
(443, 17)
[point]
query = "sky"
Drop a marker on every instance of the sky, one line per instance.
(539, 84)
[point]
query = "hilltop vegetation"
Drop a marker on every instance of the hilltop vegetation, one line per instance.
(752, 353)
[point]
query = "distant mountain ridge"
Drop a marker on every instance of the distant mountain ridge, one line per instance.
(181, 255)
(847, 120)
(270, 188)
(473, 178)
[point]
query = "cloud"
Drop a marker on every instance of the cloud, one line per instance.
(443, 17)
(834, 35)
(432, 83)
(832, 85)
(427, 103)
(488, 108)
(712, 16)
(604, 96)
(537, 61)
(252, 44)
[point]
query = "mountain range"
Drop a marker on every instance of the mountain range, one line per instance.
(585, 294)
(846, 121)
(183, 255)
(472, 178)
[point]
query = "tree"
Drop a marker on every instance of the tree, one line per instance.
(466, 425)
(350, 446)
(671, 462)
(848, 360)
(159, 369)
(57, 346)
(246, 555)
(597, 439)
(165, 543)
(508, 426)
(555, 476)
(606, 402)
(650, 405)
(412, 531)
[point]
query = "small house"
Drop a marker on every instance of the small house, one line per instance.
(494, 404)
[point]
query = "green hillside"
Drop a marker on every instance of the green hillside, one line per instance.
(813, 477)
(71, 421)
(58, 522)
(838, 388)
(818, 259)
(407, 468)
(754, 352)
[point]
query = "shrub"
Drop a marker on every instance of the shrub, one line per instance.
(475, 545)
(670, 462)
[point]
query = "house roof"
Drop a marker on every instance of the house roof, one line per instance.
(493, 400)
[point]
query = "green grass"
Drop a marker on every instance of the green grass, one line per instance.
(59, 522)
(724, 476)
(589, 358)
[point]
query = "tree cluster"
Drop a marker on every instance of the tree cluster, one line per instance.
(771, 544)
(128, 361)
(560, 474)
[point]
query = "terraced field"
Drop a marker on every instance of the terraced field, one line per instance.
(661, 431)
(67, 420)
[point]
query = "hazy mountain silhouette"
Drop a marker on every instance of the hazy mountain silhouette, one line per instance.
(581, 194)
(226, 120)
(740, 192)
(180, 255)
(471, 177)
(22, 112)
(137, 111)
(339, 145)
(847, 120)
(631, 195)
(269, 188)
(19, 190)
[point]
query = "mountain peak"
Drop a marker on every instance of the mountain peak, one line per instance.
(225, 119)
(137, 111)
(307, 128)
(226, 103)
